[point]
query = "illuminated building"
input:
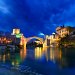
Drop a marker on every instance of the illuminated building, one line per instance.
(7, 39)
(16, 31)
(53, 39)
(18, 36)
(63, 31)
(60, 33)
(54, 36)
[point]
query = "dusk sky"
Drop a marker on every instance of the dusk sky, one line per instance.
(35, 17)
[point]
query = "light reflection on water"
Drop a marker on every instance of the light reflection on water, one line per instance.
(46, 59)
(50, 54)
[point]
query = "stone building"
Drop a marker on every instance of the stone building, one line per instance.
(63, 31)
(54, 39)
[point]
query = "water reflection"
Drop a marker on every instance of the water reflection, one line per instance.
(23, 53)
(63, 57)
(50, 53)
(38, 52)
(12, 58)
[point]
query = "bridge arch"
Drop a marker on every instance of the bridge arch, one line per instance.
(34, 37)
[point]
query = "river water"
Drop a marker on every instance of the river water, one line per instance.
(41, 61)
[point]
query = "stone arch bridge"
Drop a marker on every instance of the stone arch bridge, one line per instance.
(34, 37)
(24, 40)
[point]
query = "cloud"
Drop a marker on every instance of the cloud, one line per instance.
(34, 16)
(3, 7)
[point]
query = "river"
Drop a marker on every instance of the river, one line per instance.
(41, 61)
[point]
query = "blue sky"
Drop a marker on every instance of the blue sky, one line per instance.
(35, 17)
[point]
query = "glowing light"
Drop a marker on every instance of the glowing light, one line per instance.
(38, 53)
(23, 53)
(41, 34)
(16, 31)
(18, 35)
(51, 54)
(4, 58)
(17, 62)
(53, 33)
(13, 63)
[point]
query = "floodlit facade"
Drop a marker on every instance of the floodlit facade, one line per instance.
(16, 31)
(54, 38)
(63, 31)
